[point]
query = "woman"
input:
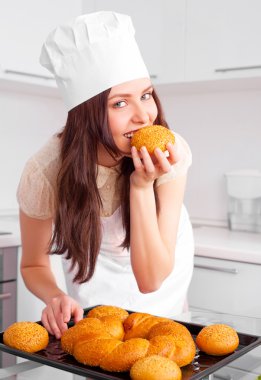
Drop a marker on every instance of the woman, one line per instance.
(115, 214)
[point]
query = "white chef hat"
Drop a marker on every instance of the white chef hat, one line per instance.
(91, 54)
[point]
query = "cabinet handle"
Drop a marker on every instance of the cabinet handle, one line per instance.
(22, 73)
(220, 377)
(225, 69)
(218, 269)
(5, 296)
(153, 76)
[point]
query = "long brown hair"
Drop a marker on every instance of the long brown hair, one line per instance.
(77, 228)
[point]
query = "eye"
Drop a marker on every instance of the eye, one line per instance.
(119, 104)
(146, 96)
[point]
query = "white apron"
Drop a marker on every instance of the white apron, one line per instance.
(113, 282)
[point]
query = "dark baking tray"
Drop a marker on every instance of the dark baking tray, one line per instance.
(202, 365)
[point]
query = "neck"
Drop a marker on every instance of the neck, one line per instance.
(105, 159)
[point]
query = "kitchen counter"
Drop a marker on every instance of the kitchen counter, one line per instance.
(210, 241)
(9, 224)
(222, 243)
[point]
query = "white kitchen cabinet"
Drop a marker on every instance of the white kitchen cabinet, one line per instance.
(229, 373)
(160, 33)
(24, 27)
(223, 39)
(226, 286)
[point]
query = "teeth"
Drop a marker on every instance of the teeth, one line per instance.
(129, 135)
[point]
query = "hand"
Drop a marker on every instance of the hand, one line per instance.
(58, 312)
(148, 168)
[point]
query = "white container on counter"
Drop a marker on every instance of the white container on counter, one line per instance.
(244, 200)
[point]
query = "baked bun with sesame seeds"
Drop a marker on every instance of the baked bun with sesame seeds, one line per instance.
(93, 346)
(107, 310)
(87, 328)
(154, 368)
(26, 336)
(152, 137)
(217, 340)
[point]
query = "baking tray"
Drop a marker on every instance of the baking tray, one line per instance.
(201, 366)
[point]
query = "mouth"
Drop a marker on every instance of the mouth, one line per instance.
(129, 135)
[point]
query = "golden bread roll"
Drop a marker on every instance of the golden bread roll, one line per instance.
(155, 368)
(218, 340)
(153, 136)
(181, 350)
(26, 336)
(91, 351)
(114, 326)
(125, 355)
(87, 328)
(138, 325)
(98, 341)
(106, 310)
(169, 328)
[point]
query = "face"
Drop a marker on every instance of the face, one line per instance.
(130, 107)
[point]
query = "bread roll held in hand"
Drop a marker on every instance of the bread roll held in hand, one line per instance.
(218, 340)
(26, 336)
(153, 136)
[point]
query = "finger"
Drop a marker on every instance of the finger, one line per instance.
(53, 324)
(60, 322)
(66, 309)
(174, 152)
(77, 313)
(45, 323)
(163, 161)
(136, 159)
(147, 161)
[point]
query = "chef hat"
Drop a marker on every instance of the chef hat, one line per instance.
(91, 54)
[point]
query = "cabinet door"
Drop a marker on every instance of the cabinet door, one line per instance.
(25, 26)
(159, 32)
(223, 39)
(228, 373)
(226, 286)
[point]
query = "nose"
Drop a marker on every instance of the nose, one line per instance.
(140, 115)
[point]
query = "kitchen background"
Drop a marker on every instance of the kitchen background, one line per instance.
(205, 61)
(184, 44)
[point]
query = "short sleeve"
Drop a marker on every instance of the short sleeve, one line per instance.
(181, 167)
(35, 195)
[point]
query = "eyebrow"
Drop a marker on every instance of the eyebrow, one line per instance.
(127, 95)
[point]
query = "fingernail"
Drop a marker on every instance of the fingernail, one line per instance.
(158, 150)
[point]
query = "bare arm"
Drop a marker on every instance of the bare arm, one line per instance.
(35, 264)
(153, 237)
(38, 277)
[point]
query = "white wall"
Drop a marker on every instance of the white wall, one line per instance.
(26, 122)
(224, 132)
